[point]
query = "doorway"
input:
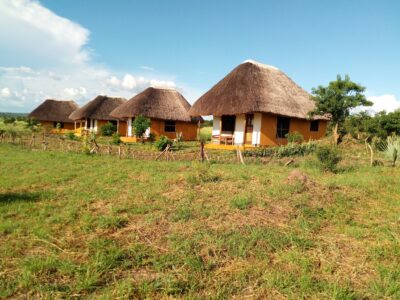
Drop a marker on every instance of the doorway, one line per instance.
(249, 129)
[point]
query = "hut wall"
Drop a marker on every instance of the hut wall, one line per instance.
(256, 129)
(216, 125)
(49, 126)
(240, 126)
(189, 130)
(122, 128)
(269, 126)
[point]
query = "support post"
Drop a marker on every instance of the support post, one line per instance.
(202, 151)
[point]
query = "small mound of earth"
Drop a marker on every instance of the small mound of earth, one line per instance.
(296, 176)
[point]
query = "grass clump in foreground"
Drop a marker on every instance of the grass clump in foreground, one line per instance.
(98, 227)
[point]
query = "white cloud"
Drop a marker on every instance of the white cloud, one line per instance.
(44, 55)
(75, 92)
(129, 82)
(147, 68)
(384, 102)
(5, 92)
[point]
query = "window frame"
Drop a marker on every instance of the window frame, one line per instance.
(170, 126)
(232, 123)
(281, 129)
(314, 126)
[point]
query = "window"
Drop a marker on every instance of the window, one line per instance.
(169, 126)
(282, 127)
(314, 125)
(115, 123)
(228, 123)
(56, 123)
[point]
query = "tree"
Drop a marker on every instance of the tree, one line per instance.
(140, 125)
(337, 99)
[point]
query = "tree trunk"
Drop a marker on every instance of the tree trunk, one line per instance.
(336, 134)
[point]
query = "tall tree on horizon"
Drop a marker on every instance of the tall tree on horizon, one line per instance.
(337, 99)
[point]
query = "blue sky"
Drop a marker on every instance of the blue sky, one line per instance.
(78, 49)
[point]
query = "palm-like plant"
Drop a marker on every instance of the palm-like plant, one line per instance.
(392, 149)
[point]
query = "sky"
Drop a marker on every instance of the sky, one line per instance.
(65, 49)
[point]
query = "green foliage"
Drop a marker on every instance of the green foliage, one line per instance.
(338, 98)
(71, 136)
(206, 133)
(162, 143)
(116, 139)
(140, 125)
(292, 149)
(380, 125)
(392, 149)
(108, 129)
(328, 157)
(294, 137)
(33, 125)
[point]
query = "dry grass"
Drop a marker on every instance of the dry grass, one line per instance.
(82, 226)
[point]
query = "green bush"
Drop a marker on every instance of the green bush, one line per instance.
(116, 139)
(140, 125)
(291, 149)
(162, 143)
(328, 157)
(71, 136)
(392, 149)
(108, 129)
(294, 137)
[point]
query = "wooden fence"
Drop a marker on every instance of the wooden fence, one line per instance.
(125, 151)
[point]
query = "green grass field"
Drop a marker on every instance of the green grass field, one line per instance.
(78, 226)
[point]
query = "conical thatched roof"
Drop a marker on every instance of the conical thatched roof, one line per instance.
(157, 103)
(99, 108)
(54, 111)
(255, 87)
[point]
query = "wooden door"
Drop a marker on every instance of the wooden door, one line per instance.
(249, 129)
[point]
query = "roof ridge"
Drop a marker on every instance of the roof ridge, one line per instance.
(265, 66)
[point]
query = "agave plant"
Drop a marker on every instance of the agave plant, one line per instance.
(392, 149)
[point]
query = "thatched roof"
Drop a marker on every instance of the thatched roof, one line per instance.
(157, 103)
(54, 111)
(255, 87)
(99, 108)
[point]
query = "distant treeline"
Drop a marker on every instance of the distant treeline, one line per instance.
(15, 116)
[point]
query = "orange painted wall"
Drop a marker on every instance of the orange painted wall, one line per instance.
(269, 124)
(122, 128)
(49, 126)
(189, 130)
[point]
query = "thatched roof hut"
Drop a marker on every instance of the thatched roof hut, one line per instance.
(157, 103)
(54, 111)
(255, 87)
(98, 109)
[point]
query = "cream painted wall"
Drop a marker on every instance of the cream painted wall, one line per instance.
(216, 125)
(256, 129)
(240, 125)
(129, 122)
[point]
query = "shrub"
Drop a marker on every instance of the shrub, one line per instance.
(140, 125)
(162, 143)
(328, 157)
(294, 137)
(108, 129)
(71, 136)
(116, 139)
(291, 149)
(392, 149)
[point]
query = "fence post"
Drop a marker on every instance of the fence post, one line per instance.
(119, 151)
(202, 151)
